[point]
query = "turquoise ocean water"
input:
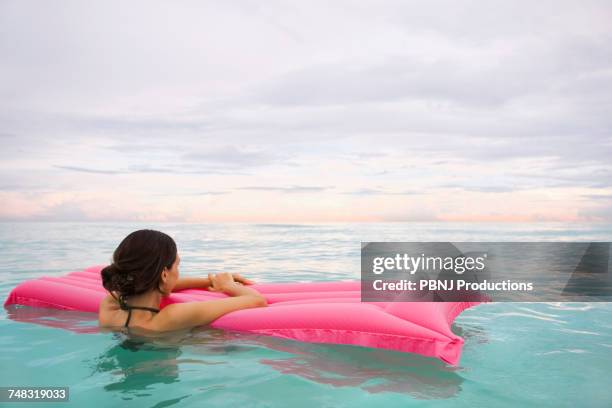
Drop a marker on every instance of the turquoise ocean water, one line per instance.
(516, 354)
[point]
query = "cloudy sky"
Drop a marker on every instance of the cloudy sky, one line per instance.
(298, 111)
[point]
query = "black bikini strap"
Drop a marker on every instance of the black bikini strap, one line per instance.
(129, 309)
(124, 306)
(151, 309)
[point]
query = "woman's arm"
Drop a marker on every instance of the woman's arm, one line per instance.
(187, 315)
(203, 283)
(191, 283)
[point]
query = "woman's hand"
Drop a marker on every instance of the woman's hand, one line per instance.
(241, 279)
(225, 283)
(220, 281)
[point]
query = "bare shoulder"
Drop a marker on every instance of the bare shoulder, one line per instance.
(109, 302)
(107, 311)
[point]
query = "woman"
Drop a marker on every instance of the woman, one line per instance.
(145, 268)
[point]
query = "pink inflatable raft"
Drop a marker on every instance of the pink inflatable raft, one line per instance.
(318, 312)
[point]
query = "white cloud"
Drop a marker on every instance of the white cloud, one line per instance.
(356, 104)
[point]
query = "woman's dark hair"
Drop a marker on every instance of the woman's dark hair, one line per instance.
(138, 263)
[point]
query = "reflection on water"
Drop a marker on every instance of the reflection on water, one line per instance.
(78, 322)
(372, 370)
(471, 332)
(140, 360)
(135, 365)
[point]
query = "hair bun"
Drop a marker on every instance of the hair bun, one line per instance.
(115, 279)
